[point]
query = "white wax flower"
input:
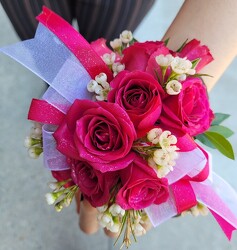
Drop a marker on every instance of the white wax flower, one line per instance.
(166, 139)
(50, 198)
(181, 77)
(105, 220)
(126, 36)
(113, 228)
(181, 65)
(103, 208)
(116, 210)
(116, 43)
(118, 67)
(109, 59)
(92, 85)
(164, 60)
(101, 78)
(154, 135)
(98, 89)
(138, 229)
(173, 87)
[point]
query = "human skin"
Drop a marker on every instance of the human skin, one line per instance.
(213, 22)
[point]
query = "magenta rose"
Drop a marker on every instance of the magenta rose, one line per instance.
(190, 110)
(100, 133)
(139, 94)
(193, 50)
(136, 57)
(140, 186)
(94, 185)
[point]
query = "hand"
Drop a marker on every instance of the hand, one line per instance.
(88, 217)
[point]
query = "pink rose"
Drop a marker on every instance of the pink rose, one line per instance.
(140, 186)
(193, 50)
(190, 110)
(94, 185)
(136, 57)
(139, 94)
(100, 133)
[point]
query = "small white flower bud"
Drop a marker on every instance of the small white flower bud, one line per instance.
(109, 59)
(101, 78)
(103, 208)
(92, 85)
(100, 97)
(164, 61)
(181, 65)
(118, 67)
(114, 228)
(173, 87)
(116, 43)
(191, 72)
(181, 77)
(138, 229)
(50, 198)
(105, 85)
(32, 153)
(116, 210)
(126, 36)
(98, 90)
(27, 142)
(154, 135)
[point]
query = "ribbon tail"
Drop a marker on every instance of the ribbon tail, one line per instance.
(221, 200)
(226, 227)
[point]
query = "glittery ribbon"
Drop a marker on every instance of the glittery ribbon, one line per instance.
(214, 192)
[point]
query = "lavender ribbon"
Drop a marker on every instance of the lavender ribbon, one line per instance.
(47, 57)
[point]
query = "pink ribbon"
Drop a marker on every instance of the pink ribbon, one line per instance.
(42, 112)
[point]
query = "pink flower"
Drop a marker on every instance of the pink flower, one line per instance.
(140, 186)
(100, 133)
(94, 185)
(136, 57)
(190, 110)
(139, 94)
(193, 50)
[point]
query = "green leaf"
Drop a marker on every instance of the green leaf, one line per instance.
(200, 75)
(166, 41)
(221, 144)
(219, 118)
(181, 47)
(204, 140)
(226, 132)
(195, 62)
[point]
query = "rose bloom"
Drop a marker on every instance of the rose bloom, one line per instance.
(94, 185)
(193, 50)
(139, 94)
(140, 186)
(100, 133)
(136, 57)
(190, 110)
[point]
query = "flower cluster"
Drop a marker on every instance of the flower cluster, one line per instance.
(34, 141)
(129, 142)
(125, 142)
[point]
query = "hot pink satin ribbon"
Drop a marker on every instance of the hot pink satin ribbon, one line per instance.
(75, 42)
(43, 112)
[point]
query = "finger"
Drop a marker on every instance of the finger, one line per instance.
(88, 218)
(78, 201)
(111, 234)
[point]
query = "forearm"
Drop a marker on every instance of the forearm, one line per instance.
(214, 23)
